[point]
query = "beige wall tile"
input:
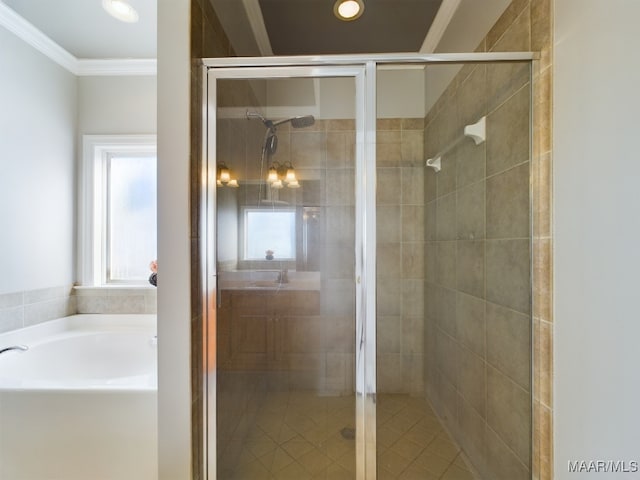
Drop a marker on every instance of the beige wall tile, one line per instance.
(508, 273)
(412, 298)
(389, 334)
(471, 97)
(445, 304)
(508, 205)
(473, 441)
(470, 163)
(389, 224)
(509, 343)
(447, 358)
(390, 260)
(412, 146)
(412, 185)
(430, 221)
(502, 463)
(446, 264)
(447, 177)
(389, 191)
(470, 267)
(412, 123)
(508, 133)
(471, 379)
(338, 155)
(340, 187)
(541, 178)
(388, 367)
(388, 124)
(509, 413)
(307, 149)
(430, 261)
(446, 217)
(541, 28)
(413, 223)
(389, 297)
(339, 334)
(470, 212)
(542, 279)
(505, 21)
(413, 265)
(470, 323)
(413, 335)
(546, 364)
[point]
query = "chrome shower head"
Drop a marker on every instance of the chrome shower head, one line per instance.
(299, 121)
(270, 137)
(267, 123)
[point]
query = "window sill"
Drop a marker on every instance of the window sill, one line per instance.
(121, 290)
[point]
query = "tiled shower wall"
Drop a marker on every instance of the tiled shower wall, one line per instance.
(478, 275)
(478, 228)
(323, 156)
(400, 269)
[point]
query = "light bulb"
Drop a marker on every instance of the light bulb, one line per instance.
(272, 176)
(233, 183)
(225, 174)
(348, 9)
(120, 10)
(277, 184)
(291, 175)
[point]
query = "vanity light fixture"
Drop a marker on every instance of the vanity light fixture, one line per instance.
(348, 10)
(224, 177)
(121, 10)
(280, 174)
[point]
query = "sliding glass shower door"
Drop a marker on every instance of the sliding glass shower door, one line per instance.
(370, 267)
(285, 153)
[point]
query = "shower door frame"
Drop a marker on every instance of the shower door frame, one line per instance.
(363, 68)
(365, 241)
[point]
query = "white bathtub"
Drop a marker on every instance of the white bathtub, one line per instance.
(80, 403)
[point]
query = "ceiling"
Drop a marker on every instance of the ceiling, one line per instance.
(268, 27)
(309, 27)
(85, 30)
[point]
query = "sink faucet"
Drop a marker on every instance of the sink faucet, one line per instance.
(283, 276)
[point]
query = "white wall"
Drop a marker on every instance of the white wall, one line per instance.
(174, 316)
(37, 175)
(116, 105)
(597, 231)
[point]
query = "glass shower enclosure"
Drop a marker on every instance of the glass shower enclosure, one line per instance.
(368, 267)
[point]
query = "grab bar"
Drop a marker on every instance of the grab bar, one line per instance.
(20, 348)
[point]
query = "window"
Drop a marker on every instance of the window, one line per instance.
(118, 209)
(269, 229)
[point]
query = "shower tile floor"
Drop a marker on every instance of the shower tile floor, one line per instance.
(297, 436)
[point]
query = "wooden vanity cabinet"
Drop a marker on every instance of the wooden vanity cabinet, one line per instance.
(252, 326)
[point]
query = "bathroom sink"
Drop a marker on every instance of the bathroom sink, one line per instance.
(267, 280)
(266, 284)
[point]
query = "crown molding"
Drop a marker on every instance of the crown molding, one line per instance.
(113, 67)
(38, 40)
(439, 26)
(29, 34)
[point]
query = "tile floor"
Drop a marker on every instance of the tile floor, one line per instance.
(296, 436)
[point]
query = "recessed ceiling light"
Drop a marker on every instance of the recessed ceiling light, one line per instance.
(120, 10)
(348, 10)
